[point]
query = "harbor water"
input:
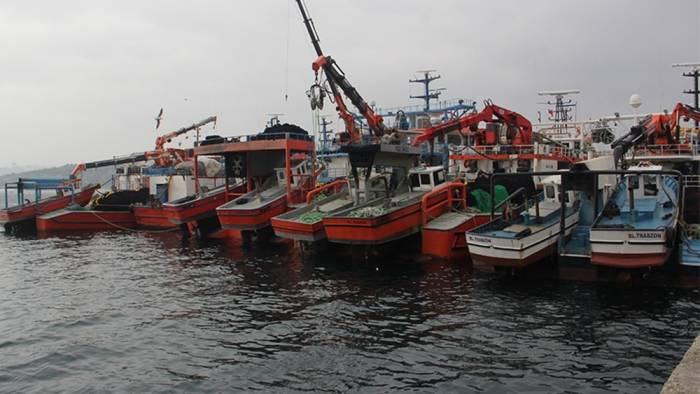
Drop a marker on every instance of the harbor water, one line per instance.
(132, 312)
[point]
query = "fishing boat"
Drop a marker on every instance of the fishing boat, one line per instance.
(637, 227)
(446, 220)
(306, 223)
(265, 174)
(528, 233)
(388, 204)
(176, 183)
(107, 211)
(275, 193)
(138, 180)
(25, 212)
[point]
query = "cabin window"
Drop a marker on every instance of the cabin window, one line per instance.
(633, 182)
(650, 188)
(549, 192)
(566, 195)
(415, 182)
(438, 177)
(425, 179)
(280, 175)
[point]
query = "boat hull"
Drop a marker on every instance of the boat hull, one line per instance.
(87, 220)
(450, 243)
(308, 232)
(252, 219)
(374, 230)
(517, 253)
(630, 248)
(197, 209)
(290, 226)
(11, 216)
(152, 218)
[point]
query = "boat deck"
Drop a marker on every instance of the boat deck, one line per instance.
(323, 209)
(524, 225)
(448, 221)
(580, 242)
(255, 200)
(648, 214)
(406, 198)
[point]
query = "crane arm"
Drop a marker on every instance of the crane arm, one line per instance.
(490, 113)
(79, 168)
(335, 74)
(165, 138)
(338, 82)
(683, 110)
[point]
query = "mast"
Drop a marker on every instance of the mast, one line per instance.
(428, 94)
(695, 75)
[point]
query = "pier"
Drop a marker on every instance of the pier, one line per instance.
(685, 378)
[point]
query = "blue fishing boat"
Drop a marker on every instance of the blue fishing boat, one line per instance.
(637, 227)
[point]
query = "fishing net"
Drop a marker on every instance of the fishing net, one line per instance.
(483, 199)
(311, 217)
(367, 212)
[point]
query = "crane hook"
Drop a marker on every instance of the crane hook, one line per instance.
(316, 95)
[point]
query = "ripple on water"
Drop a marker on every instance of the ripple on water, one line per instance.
(136, 312)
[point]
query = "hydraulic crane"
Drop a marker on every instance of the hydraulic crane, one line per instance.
(661, 127)
(338, 82)
(519, 128)
(163, 157)
(657, 129)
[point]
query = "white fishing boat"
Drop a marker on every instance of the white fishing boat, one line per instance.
(518, 240)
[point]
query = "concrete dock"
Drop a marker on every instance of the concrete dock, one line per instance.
(686, 376)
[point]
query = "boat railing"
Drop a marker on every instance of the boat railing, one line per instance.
(691, 181)
(665, 150)
(539, 149)
(38, 186)
(335, 187)
(335, 172)
(455, 192)
(261, 136)
(439, 106)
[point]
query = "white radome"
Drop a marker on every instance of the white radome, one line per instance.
(635, 101)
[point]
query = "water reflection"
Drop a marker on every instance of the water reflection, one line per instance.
(151, 312)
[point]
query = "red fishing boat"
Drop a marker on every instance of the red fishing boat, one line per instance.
(273, 170)
(280, 166)
(446, 221)
(74, 219)
(26, 211)
(387, 204)
(199, 207)
(152, 217)
(306, 223)
(108, 211)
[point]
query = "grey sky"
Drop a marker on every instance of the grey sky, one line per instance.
(82, 80)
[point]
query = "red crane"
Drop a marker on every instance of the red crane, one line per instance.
(519, 128)
(661, 127)
(163, 157)
(338, 82)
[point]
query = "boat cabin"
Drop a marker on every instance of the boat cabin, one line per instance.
(644, 186)
(426, 178)
(552, 191)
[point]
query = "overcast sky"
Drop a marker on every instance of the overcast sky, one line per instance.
(83, 80)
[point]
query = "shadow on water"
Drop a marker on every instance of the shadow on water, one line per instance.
(153, 312)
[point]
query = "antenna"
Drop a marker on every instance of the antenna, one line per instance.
(695, 75)
(274, 120)
(324, 123)
(562, 108)
(428, 93)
